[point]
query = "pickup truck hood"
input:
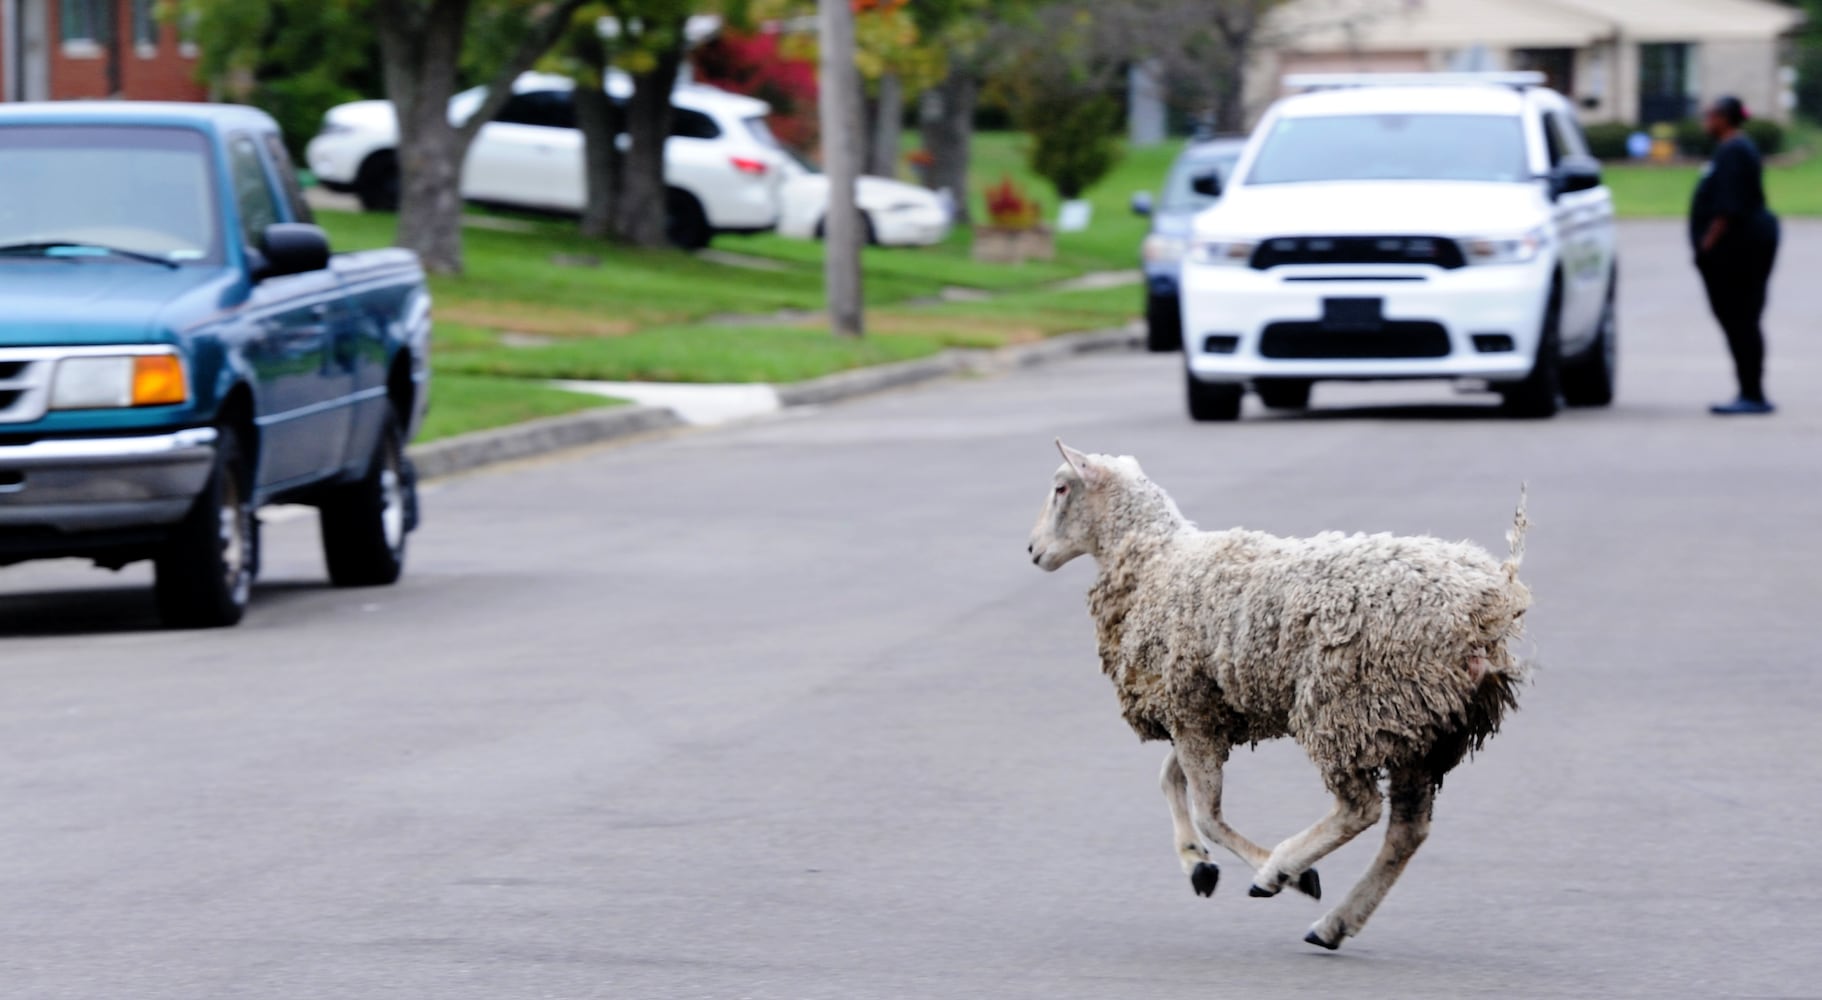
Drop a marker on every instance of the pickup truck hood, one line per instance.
(1374, 208)
(67, 303)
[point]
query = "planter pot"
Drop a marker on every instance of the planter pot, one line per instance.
(1013, 246)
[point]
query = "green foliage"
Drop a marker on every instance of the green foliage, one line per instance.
(1768, 135)
(1692, 138)
(1607, 140)
(1073, 140)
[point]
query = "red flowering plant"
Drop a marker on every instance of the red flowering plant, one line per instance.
(1009, 208)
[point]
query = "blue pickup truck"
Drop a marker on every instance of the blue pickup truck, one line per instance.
(178, 347)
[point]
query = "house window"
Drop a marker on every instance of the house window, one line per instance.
(145, 26)
(84, 25)
(1666, 83)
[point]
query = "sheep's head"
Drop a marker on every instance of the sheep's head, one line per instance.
(1070, 523)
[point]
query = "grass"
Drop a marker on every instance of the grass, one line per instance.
(1793, 182)
(463, 403)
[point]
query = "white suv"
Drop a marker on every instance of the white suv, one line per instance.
(722, 166)
(1423, 227)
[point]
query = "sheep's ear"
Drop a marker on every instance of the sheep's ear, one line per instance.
(1082, 464)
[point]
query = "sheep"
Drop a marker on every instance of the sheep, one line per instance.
(1384, 657)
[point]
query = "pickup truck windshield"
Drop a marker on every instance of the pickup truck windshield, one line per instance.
(1402, 147)
(144, 190)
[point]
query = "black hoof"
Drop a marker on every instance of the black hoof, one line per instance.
(1204, 877)
(1313, 938)
(1253, 890)
(1310, 884)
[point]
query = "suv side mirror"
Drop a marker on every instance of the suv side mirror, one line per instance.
(1208, 184)
(1141, 203)
(1575, 173)
(293, 248)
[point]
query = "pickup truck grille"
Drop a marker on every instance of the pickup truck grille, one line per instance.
(24, 386)
(1393, 339)
(1435, 251)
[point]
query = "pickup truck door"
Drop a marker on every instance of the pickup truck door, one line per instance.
(302, 386)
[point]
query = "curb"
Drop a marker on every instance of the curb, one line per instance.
(538, 437)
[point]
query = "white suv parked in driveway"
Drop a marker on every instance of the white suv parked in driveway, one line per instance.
(722, 166)
(1424, 227)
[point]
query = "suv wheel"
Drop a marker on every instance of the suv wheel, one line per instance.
(365, 523)
(1540, 394)
(1588, 379)
(204, 572)
(1213, 401)
(684, 222)
(1284, 394)
(377, 186)
(1163, 323)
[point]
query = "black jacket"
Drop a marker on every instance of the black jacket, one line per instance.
(1733, 187)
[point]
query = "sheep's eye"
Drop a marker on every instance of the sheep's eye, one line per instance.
(1062, 489)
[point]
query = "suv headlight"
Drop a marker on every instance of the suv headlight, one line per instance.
(113, 382)
(1161, 249)
(1223, 253)
(1521, 249)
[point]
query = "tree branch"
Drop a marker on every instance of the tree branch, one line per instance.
(539, 39)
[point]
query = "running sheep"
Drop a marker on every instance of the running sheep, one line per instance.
(1384, 657)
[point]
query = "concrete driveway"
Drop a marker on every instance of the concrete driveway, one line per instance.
(783, 711)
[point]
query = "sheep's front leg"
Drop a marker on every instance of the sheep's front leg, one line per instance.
(1356, 809)
(1412, 797)
(1196, 766)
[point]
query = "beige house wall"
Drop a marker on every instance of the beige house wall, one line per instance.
(1746, 69)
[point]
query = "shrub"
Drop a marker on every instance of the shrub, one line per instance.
(1692, 138)
(1767, 135)
(1607, 140)
(1074, 140)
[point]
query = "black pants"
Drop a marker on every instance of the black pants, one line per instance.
(1736, 277)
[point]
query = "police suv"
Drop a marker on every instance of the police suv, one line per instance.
(1427, 226)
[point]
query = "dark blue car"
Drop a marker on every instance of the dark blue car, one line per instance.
(1209, 162)
(178, 347)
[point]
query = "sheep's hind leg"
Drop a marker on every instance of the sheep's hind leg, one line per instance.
(1356, 809)
(1205, 763)
(1412, 797)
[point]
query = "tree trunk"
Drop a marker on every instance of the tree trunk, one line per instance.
(1230, 98)
(946, 119)
(888, 123)
(642, 217)
(422, 48)
(599, 121)
(841, 141)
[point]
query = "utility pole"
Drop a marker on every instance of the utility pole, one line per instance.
(841, 135)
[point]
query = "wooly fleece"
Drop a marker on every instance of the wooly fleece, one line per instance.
(1375, 653)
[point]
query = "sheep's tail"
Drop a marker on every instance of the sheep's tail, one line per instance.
(1516, 537)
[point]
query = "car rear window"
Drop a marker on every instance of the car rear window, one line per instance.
(1404, 147)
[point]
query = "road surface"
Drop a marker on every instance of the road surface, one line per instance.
(783, 711)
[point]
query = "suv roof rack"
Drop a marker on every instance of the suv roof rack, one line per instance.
(1342, 81)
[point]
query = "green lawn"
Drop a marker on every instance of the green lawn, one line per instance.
(463, 403)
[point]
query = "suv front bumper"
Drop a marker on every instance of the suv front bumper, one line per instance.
(75, 485)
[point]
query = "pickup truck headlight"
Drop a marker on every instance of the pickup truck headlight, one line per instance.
(1521, 249)
(113, 382)
(1160, 249)
(1223, 253)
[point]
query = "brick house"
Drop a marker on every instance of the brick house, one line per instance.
(1628, 61)
(53, 50)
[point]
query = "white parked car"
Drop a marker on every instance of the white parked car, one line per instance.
(722, 166)
(1424, 227)
(894, 213)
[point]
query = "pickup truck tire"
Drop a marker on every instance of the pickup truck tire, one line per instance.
(204, 572)
(1213, 401)
(1540, 394)
(365, 523)
(1163, 323)
(1284, 393)
(377, 185)
(1588, 378)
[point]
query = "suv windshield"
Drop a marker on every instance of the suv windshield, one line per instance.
(143, 190)
(1180, 196)
(1392, 147)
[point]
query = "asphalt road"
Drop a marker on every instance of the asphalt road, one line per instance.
(783, 711)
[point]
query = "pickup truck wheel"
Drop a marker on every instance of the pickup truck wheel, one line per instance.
(377, 185)
(1213, 401)
(1540, 394)
(685, 225)
(365, 524)
(1588, 379)
(1163, 323)
(1284, 394)
(204, 572)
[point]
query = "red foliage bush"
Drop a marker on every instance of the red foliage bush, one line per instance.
(753, 65)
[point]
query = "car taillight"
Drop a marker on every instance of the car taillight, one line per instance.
(755, 167)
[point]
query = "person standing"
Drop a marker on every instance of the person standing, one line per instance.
(1736, 241)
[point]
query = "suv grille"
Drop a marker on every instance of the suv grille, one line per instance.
(1393, 339)
(1436, 251)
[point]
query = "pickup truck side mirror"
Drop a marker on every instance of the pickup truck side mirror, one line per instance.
(1208, 184)
(293, 248)
(1141, 203)
(1575, 173)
